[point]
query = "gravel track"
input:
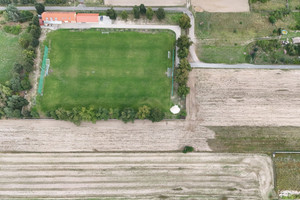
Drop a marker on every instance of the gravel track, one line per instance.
(135, 175)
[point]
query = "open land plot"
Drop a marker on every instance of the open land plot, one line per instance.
(104, 136)
(115, 70)
(245, 139)
(244, 97)
(145, 2)
(273, 5)
(10, 52)
(287, 171)
(224, 37)
(221, 5)
(136, 175)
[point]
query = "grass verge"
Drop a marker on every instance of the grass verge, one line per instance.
(244, 139)
(10, 52)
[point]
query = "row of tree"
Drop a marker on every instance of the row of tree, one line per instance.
(137, 12)
(92, 114)
(11, 94)
(184, 67)
(23, 2)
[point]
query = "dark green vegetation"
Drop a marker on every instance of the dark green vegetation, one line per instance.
(15, 76)
(187, 149)
(116, 70)
(15, 30)
(244, 139)
(229, 37)
(287, 168)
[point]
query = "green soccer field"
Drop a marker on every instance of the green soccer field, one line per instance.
(10, 52)
(115, 70)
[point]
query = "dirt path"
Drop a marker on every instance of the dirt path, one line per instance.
(31, 94)
(221, 5)
(246, 97)
(145, 2)
(135, 175)
(114, 135)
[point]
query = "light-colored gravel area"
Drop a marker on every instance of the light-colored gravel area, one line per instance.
(240, 97)
(221, 5)
(145, 2)
(135, 176)
(60, 136)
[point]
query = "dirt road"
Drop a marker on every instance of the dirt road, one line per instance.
(221, 5)
(227, 97)
(145, 2)
(114, 135)
(135, 175)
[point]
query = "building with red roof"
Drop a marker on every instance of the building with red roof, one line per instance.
(87, 17)
(58, 17)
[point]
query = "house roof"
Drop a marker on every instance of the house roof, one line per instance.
(87, 17)
(59, 16)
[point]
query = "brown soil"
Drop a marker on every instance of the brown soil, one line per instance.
(221, 5)
(135, 176)
(227, 97)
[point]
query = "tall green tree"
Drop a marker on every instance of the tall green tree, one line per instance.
(11, 13)
(142, 9)
(124, 15)
(111, 13)
(160, 14)
(40, 8)
(136, 12)
(184, 41)
(149, 13)
(185, 21)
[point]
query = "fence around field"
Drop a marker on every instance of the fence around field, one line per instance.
(41, 82)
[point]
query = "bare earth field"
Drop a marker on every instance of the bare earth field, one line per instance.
(227, 97)
(221, 5)
(135, 176)
(113, 135)
(145, 2)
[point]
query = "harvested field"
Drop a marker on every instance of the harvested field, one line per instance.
(145, 2)
(135, 175)
(244, 97)
(221, 5)
(113, 135)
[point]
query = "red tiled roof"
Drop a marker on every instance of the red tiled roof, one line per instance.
(87, 17)
(59, 16)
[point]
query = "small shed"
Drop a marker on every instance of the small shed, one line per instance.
(296, 40)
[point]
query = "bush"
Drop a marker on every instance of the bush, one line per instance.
(149, 13)
(15, 83)
(25, 40)
(15, 30)
(143, 112)
(272, 19)
(56, 2)
(160, 14)
(187, 149)
(128, 114)
(136, 12)
(183, 90)
(111, 13)
(156, 115)
(25, 16)
(18, 68)
(124, 15)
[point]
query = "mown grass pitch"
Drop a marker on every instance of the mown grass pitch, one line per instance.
(10, 52)
(115, 70)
